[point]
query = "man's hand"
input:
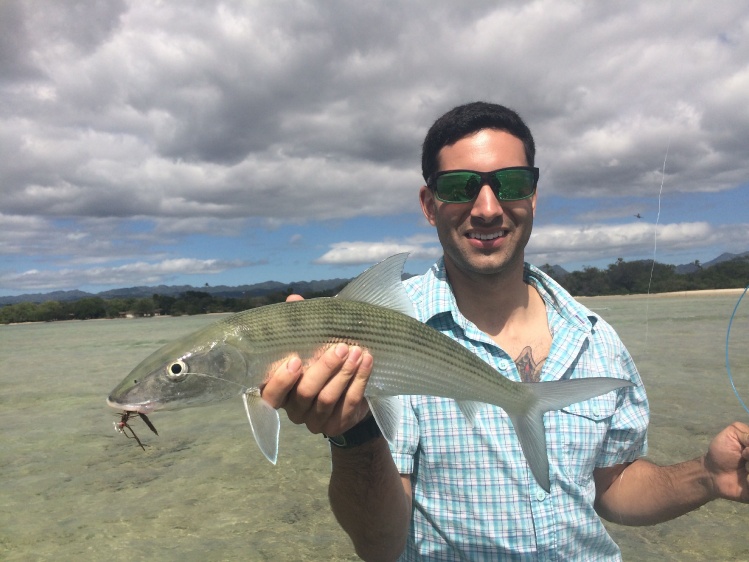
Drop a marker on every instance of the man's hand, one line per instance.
(727, 461)
(326, 394)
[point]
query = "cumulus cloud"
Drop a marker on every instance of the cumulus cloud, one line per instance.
(360, 252)
(169, 120)
(205, 110)
(136, 273)
(596, 242)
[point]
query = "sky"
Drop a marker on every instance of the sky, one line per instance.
(229, 143)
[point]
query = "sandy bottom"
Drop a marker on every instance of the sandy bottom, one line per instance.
(73, 488)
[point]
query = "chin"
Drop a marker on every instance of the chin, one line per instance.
(478, 263)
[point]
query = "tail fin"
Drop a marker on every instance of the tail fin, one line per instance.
(529, 425)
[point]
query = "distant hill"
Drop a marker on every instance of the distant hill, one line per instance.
(255, 290)
(268, 287)
(692, 267)
(558, 272)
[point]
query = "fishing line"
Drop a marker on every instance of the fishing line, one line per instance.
(655, 243)
(650, 281)
(728, 362)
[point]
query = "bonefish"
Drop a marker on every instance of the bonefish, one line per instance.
(234, 355)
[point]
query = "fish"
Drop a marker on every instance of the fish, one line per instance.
(235, 355)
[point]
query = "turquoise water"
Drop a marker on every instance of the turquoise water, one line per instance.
(73, 488)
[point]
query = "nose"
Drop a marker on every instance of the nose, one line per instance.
(486, 206)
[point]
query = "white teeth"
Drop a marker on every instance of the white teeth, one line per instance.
(486, 236)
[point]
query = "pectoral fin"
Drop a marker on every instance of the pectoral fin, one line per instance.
(265, 423)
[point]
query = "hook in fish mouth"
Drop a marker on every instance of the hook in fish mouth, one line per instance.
(123, 427)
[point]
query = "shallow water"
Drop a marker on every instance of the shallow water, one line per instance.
(678, 344)
(73, 488)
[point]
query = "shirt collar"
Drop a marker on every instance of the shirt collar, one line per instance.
(438, 298)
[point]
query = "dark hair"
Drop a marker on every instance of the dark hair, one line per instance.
(467, 119)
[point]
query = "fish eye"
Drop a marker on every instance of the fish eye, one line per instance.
(177, 370)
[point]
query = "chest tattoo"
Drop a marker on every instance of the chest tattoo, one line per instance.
(529, 369)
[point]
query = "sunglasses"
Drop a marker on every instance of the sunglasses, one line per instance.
(463, 186)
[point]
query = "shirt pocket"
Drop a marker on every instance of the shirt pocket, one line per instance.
(584, 426)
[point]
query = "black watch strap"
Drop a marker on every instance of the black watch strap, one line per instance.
(364, 431)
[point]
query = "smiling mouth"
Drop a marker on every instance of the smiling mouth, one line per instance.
(485, 237)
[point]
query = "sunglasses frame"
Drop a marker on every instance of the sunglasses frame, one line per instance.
(486, 178)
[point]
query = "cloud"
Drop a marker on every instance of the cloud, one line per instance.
(218, 110)
(360, 252)
(129, 128)
(593, 243)
(131, 274)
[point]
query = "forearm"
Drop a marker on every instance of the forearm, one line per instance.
(647, 494)
(369, 501)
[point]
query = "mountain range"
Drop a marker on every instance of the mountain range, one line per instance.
(267, 287)
(255, 290)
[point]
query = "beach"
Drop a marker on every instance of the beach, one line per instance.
(74, 488)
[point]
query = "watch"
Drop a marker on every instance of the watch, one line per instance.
(364, 431)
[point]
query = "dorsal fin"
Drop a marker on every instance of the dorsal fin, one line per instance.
(381, 285)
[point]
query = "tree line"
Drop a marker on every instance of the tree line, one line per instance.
(187, 303)
(620, 278)
(643, 276)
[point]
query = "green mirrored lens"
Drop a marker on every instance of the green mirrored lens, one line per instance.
(514, 184)
(455, 188)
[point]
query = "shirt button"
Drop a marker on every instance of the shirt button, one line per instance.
(503, 364)
(540, 495)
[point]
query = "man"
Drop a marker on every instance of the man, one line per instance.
(446, 490)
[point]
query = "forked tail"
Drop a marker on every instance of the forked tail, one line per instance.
(529, 425)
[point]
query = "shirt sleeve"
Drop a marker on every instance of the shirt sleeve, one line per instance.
(626, 439)
(406, 442)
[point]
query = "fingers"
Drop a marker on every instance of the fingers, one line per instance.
(331, 368)
(281, 382)
(327, 394)
(352, 407)
(323, 398)
(742, 433)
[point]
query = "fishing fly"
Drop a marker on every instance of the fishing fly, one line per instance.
(123, 427)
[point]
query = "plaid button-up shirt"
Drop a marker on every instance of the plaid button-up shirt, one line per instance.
(474, 496)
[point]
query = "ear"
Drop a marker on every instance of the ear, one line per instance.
(533, 202)
(428, 204)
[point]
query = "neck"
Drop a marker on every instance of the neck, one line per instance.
(493, 302)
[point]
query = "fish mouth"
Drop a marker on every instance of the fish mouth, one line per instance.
(143, 408)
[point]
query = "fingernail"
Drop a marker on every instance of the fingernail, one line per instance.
(354, 353)
(294, 365)
(341, 350)
(367, 360)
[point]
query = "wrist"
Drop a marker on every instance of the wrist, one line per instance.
(363, 432)
(706, 478)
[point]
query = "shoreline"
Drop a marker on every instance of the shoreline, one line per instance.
(674, 294)
(694, 293)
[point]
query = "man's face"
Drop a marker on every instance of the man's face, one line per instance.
(485, 236)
